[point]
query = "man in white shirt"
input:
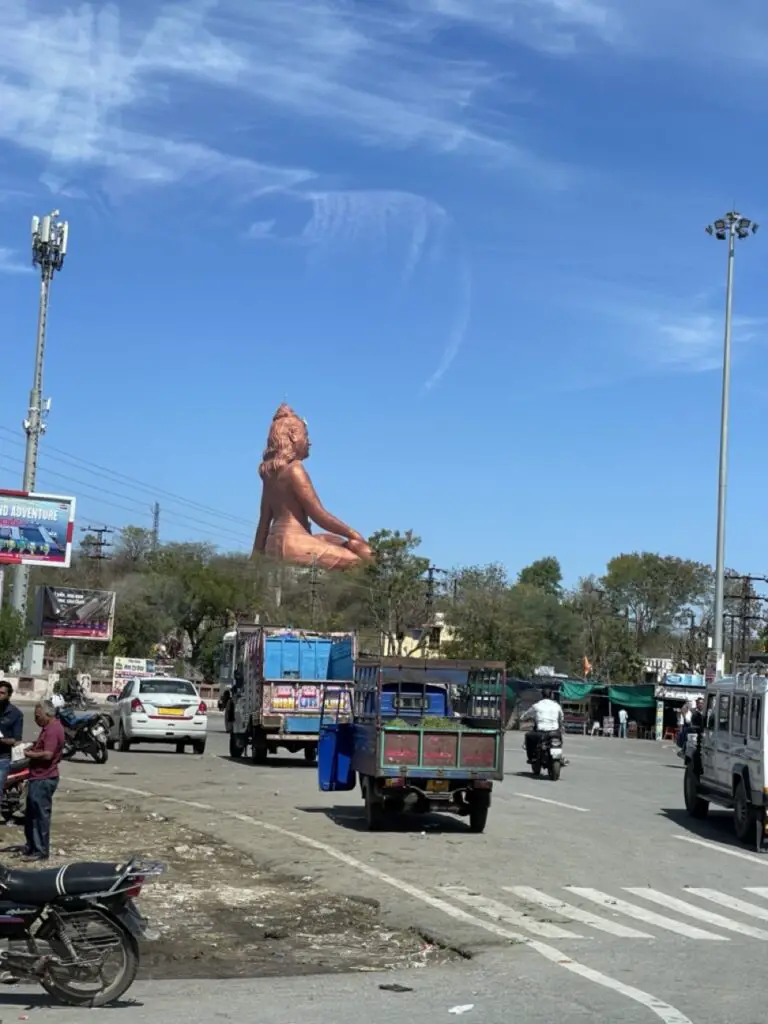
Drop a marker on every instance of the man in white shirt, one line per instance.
(547, 716)
(623, 719)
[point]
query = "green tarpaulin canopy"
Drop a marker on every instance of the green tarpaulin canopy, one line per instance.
(627, 696)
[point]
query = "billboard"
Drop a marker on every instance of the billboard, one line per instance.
(131, 668)
(69, 614)
(36, 529)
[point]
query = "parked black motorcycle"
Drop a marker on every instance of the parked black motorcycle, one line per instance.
(86, 732)
(66, 926)
(548, 755)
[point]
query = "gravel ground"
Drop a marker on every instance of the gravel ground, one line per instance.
(221, 915)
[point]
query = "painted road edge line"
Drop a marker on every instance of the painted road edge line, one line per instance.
(555, 803)
(665, 1011)
(727, 850)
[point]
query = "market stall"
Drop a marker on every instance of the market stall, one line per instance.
(677, 690)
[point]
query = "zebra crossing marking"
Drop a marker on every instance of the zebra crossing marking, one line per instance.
(642, 914)
(531, 895)
(501, 912)
(699, 913)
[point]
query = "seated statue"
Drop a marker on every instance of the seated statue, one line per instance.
(289, 502)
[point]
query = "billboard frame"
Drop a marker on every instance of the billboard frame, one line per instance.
(8, 559)
(73, 636)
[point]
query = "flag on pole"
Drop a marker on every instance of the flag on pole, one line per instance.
(587, 666)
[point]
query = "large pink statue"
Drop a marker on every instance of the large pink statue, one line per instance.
(289, 502)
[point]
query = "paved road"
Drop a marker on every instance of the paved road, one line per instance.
(594, 887)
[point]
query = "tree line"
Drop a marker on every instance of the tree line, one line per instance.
(181, 598)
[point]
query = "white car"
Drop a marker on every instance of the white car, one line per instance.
(160, 710)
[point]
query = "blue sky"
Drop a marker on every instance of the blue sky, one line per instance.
(463, 238)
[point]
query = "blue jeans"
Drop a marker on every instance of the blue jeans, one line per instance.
(622, 730)
(37, 820)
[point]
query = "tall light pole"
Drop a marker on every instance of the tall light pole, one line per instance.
(49, 247)
(726, 229)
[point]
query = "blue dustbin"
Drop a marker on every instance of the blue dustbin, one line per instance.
(334, 757)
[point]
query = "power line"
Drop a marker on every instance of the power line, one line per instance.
(80, 463)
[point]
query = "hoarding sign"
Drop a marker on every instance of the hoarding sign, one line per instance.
(69, 614)
(36, 529)
(124, 669)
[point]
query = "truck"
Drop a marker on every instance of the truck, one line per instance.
(282, 679)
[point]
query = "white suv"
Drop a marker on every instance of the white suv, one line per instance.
(160, 710)
(725, 763)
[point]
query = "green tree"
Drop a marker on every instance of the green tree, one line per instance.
(395, 587)
(133, 548)
(654, 591)
(521, 625)
(13, 635)
(544, 574)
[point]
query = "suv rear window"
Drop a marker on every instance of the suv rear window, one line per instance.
(161, 686)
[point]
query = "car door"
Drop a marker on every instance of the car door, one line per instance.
(709, 739)
(723, 743)
(124, 704)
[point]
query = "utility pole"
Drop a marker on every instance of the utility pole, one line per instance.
(726, 229)
(155, 526)
(49, 247)
(96, 550)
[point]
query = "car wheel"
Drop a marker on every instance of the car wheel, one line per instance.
(123, 742)
(743, 815)
(180, 748)
(199, 746)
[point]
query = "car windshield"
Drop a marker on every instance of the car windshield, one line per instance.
(180, 686)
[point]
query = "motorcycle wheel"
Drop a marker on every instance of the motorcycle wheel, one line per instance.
(62, 982)
(100, 753)
(554, 770)
(68, 752)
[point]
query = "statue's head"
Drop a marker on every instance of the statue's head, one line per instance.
(287, 441)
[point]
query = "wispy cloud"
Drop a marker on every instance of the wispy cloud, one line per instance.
(95, 87)
(12, 263)
(69, 80)
(458, 331)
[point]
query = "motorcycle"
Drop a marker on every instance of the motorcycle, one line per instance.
(548, 754)
(13, 797)
(86, 731)
(64, 924)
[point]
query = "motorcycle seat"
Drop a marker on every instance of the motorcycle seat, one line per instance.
(18, 766)
(34, 888)
(74, 718)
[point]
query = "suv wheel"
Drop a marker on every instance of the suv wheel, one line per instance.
(696, 806)
(743, 814)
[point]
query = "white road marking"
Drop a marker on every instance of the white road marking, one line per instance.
(727, 850)
(678, 906)
(555, 803)
(758, 890)
(663, 1010)
(649, 916)
(732, 903)
(501, 912)
(603, 924)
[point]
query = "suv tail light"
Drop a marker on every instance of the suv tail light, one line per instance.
(136, 705)
(202, 708)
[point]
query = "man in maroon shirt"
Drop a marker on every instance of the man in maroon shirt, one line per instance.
(44, 756)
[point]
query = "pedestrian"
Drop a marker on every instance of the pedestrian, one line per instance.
(44, 756)
(11, 728)
(623, 719)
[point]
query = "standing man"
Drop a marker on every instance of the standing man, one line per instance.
(11, 726)
(44, 756)
(623, 720)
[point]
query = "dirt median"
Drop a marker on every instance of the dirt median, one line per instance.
(219, 913)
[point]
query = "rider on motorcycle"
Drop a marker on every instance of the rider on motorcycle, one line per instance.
(547, 717)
